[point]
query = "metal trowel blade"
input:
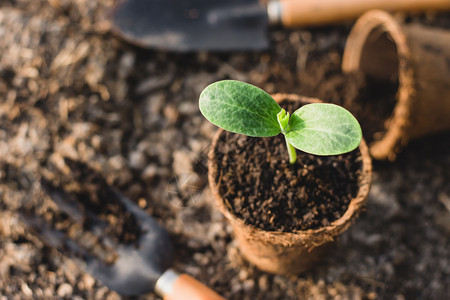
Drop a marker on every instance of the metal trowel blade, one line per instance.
(192, 25)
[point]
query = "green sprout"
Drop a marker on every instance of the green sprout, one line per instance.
(316, 128)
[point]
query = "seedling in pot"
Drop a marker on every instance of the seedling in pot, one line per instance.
(317, 128)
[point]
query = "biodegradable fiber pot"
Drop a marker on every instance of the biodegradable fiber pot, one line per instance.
(415, 56)
(287, 252)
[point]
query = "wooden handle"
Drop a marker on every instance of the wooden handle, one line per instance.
(321, 12)
(186, 287)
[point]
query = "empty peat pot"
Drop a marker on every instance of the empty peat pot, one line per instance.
(418, 59)
(281, 251)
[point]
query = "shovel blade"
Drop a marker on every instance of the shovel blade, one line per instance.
(192, 25)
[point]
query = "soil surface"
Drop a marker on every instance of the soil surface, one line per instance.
(266, 191)
(71, 90)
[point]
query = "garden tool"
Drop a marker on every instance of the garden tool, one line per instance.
(138, 268)
(217, 25)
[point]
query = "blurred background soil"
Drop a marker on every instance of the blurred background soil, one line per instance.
(69, 89)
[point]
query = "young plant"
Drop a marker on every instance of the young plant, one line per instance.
(317, 128)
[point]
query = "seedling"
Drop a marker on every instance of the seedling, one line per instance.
(317, 128)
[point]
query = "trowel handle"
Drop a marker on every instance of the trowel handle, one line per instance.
(294, 13)
(174, 286)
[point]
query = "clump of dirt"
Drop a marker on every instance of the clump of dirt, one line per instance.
(266, 191)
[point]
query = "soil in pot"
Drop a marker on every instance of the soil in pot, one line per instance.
(266, 191)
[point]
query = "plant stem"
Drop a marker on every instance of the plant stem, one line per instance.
(283, 120)
(292, 153)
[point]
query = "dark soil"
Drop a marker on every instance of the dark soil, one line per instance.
(268, 192)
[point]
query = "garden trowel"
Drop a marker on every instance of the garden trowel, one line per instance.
(218, 25)
(138, 268)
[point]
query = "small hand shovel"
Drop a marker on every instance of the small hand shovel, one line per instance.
(223, 25)
(138, 268)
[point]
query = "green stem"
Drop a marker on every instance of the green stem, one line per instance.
(291, 151)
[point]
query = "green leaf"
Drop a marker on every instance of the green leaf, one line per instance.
(241, 108)
(324, 129)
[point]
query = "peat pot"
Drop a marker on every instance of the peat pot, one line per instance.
(290, 249)
(417, 58)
